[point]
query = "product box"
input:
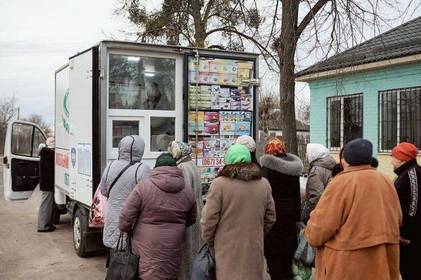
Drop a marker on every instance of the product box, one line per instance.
(242, 128)
(197, 148)
(192, 77)
(212, 117)
(204, 78)
(246, 116)
(211, 128)
(204, 65)
(213, 66)
(226, 116)
(192, 64)
(224, 93)
(235, 105)
(211, 146)
(214, 78)
(227, 128)
(191, 127)
(225, 142)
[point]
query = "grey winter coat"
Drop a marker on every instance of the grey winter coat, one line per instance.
(131, 149)
(192, 240)
(318, 178)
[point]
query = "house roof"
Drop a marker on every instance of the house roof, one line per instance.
(400, 41)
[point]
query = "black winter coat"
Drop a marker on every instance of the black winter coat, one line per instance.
(283, 174)
(46, 170)
(408, 186)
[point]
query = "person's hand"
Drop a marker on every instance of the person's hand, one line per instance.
(404, 241)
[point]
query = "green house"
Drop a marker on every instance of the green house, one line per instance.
(372, 90)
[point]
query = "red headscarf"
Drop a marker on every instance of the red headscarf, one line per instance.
(405, 151)
(275, 146)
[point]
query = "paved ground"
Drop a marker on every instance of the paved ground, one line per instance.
(27, 254)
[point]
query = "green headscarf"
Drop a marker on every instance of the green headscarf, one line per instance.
(165, 160)
(237, 153)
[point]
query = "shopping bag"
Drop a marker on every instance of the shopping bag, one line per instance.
(96, 213)
(304, 253)
(203, 266)
(123, 263)
(300, 271)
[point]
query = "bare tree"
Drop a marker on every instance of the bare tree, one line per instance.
(330, 25)
(39, 120)
(196, 22)
(8, 111)
(268, 103)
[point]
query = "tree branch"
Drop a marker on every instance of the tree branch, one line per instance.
(255, 41)
(310, 15)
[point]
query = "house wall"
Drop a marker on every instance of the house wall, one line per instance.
(369, 83)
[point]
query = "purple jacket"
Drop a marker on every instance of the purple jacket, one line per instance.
(160, 207)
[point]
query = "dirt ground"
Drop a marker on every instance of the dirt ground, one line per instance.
(27, 254)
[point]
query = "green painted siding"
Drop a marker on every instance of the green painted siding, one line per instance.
(368, 83)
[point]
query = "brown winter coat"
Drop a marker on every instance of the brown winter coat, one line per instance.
(160, 207)
(239, 210)
(355, 227)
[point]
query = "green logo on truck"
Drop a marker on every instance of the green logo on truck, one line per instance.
(65, 116)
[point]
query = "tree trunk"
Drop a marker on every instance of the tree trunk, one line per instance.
(286, 50)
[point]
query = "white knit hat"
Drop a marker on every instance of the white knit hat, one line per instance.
(247, 141)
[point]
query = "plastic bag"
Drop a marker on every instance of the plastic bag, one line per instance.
(203, 267)
(96, 213)
(304, 253)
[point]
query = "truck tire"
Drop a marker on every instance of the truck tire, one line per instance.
(80, 227)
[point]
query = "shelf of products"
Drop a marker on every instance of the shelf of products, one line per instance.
(220, 109)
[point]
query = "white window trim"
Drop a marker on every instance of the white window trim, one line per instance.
(341, 130)
(398, 117)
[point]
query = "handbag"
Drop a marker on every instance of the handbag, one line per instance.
(96, 213)
(99, 201)
(203, 266)
(304, 253)
(123, 263)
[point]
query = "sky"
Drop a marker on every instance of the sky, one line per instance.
(37, 37)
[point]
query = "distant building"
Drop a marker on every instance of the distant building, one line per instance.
(372, 90)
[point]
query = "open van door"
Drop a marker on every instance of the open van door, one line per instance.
(21, 159)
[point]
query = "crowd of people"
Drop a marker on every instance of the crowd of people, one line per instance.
(361, 224)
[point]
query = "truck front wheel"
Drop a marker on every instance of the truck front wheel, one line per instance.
(80, 227)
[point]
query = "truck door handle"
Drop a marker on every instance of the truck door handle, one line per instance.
(5, 160)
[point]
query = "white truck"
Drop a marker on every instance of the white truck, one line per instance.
(201, 96)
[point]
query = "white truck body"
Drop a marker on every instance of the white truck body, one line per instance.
(90, 119)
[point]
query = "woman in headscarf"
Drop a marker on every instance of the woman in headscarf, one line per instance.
(239, 210)
(192, 241)
(249, 142)
(321, 167)
(159, 208)
(283, 171)
(132, 170)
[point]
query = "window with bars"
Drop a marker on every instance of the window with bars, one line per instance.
(345, 119)
(399, 117)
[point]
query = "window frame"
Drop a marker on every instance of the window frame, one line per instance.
(341, 98)
(381, 94)
(33, 151)
(142, 115)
